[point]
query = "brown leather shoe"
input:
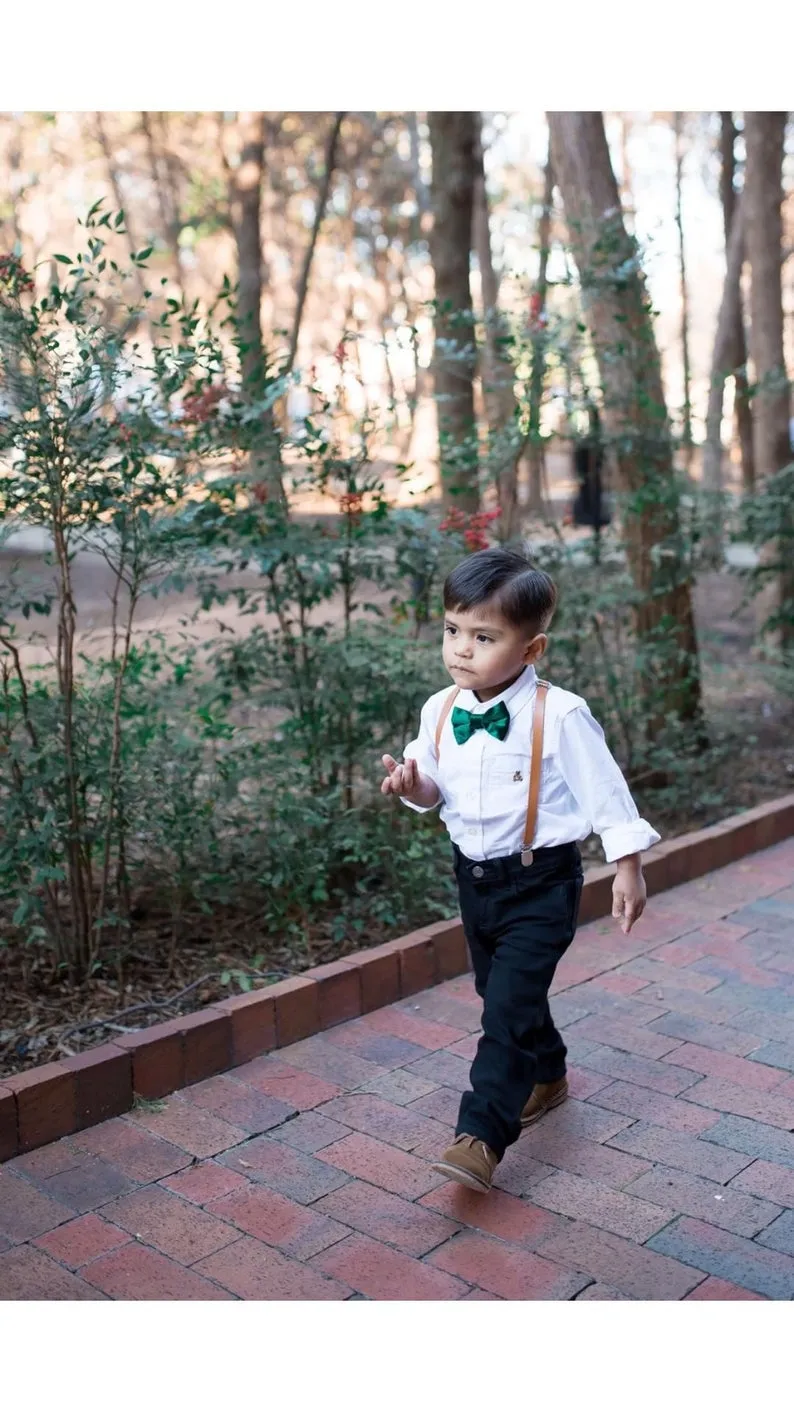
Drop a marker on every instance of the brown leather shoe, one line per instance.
(543, 1098)
(468, 1161)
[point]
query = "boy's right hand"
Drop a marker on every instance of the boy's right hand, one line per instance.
(406, 781)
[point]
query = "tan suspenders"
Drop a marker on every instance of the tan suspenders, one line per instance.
(536, 761)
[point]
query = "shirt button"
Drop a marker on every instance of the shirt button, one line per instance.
(478, 872)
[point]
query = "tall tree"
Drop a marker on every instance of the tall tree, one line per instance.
(737, 356)
(452, 138)
(504, 435)
(621, 324)
(764, 135)
(686, 411)
(246, 176)
(539, 339)
(319, 216)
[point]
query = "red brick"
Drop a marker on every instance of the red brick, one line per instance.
(26, 1212)
(478, 1294)
(721, 1290)
(380, 1273)
(9, 1141)
(136, 1153)
(301, 1090)
(688, 1154)
(583, 1083)
(177, 1228)
(449, 944)
(497, 1214)
(610, 1210)
(295, 1174)
(253, 1021)
(599, 1291)
(659, 1074)
(617, 985)
(206, 1043)
(596, 895)
(135, 1272)
(186, 1125)
(658, 1108)
(632, 1269)
(632, 1038)
(158, 1065)
(725, 1097)
(759, 1077)
(730, 1257)
(399, 1126)
(724, 1206)
(45, 1100)
(443, 1104)
(297, 1009)
(386, 1217)
(278, 1221)
(417, 960)
(575, 1119)
(103, 1084)
(49, 1161)
(88, 1185)
(334, 1062)
(505, 1270)
(204, 1182)
(82, 1240)
(768, 1180)
(310, 1132)
(430, 1034)
(339, 992)
(569, 1154)
(253, 1270)
(239, 1104)
(444, 1005)
(385, 1166)
(379, 971)
(27, 1273)
(465, 1048)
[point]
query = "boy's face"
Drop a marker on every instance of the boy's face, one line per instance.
(484, 653)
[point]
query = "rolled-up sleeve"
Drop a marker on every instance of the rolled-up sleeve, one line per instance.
(423, 751)
(594, 778)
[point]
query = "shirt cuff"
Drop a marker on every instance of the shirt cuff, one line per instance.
(622, 840)
(422, 808)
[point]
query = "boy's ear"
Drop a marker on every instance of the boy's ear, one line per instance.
(536, 648)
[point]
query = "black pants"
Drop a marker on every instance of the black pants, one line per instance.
(518, 923)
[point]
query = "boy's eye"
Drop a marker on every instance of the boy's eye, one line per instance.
(450, 629)
(482, 638)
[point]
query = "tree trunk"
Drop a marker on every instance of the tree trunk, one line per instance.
(319, 217)
(721, 367)
(504, 438)
(686, 411)
(452, 137)
(536, 454)
(169, 218)
(619, 314)
(245, 193)
(763, 198)
(738, 355)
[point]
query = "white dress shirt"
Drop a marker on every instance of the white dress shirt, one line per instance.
(484, 783)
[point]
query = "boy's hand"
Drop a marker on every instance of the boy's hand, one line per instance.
(407, 781)
(628, 893)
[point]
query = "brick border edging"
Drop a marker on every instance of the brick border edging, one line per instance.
(64, 1097)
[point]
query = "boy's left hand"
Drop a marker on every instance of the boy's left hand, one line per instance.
(628, 893)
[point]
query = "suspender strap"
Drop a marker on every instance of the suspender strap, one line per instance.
(442, 720)
(536, 762)
(535, 765)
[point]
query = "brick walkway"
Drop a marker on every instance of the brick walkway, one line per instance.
(305, 1175)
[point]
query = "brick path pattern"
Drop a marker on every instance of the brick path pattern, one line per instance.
(305, 1175)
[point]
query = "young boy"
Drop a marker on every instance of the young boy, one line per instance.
(523, 774)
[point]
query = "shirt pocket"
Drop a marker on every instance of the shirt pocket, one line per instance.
(511, 771)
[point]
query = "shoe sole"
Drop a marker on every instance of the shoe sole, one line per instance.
(458, 1174)
(547, 1107)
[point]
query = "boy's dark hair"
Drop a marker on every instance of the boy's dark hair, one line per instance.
(524, 595)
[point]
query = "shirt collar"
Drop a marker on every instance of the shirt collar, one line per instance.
(515, 696)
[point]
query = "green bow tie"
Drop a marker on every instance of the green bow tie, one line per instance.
(496, 722)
